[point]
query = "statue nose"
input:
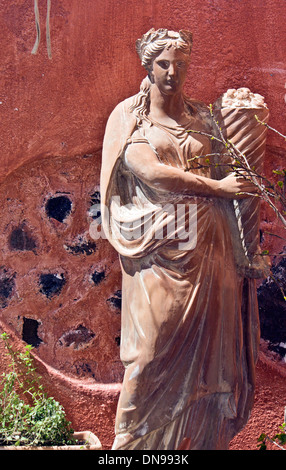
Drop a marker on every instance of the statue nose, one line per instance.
(171, 70)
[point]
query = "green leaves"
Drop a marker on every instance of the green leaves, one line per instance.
(38, 420)
(278, 439)
(262, 438)
(279, 172)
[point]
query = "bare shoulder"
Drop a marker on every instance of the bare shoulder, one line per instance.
(123, 106)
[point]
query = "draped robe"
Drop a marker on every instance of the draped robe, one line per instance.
(190, 329)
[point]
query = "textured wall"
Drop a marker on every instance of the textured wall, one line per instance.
(59, 289)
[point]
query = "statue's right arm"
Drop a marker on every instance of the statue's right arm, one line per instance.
(143, 162)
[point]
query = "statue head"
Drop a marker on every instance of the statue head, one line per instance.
(155, 41)
(150, 46)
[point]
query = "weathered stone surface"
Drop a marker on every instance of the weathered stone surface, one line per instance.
(21, 239)
(77, 338)
(59, 289)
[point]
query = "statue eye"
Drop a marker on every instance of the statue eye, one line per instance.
(164, 64)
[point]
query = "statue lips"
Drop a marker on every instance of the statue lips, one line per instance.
(172, 85)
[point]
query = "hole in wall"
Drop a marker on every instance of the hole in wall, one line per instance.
(30, 332)
(272, 309)
(97, 276)
(7, 285)
(51, 284)
(94, 211)
(21, 240)
(77, 337)
(58, 208)
(83, 247)
(115, 300)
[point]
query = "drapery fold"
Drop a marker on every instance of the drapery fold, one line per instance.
(190, 328)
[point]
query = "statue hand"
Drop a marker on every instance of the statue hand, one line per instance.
(236, 187)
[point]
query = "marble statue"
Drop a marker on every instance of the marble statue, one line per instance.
(190, 328)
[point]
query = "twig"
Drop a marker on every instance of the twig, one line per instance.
(269, 127)
(237, 153)
(204, 133)
(243, 168)
(273, 442)
(275, 235)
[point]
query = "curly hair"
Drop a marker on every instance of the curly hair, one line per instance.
(155, 41)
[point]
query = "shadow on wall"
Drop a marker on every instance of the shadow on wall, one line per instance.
(272, 308)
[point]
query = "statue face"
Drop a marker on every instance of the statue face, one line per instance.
(169, 70)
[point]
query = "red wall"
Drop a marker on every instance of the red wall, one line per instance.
(60, 106)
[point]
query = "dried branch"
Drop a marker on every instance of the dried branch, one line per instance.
(269, 127)
(241, 167)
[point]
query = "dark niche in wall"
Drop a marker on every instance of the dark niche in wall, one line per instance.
(7, 285)
(81, 248)
(77, 337)
(51, 284)
(115, 300)
(30, 332)
(97, 276)
(21, 240)
(272, 308)
(94, 211)
(58, 208)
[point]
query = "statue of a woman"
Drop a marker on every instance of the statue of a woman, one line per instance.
(190, 327)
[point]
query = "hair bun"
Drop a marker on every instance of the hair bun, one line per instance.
(160, 36)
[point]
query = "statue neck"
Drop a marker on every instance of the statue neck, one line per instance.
(167, 108)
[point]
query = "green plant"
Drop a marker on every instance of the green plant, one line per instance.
(27, 415)
(279, 439)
